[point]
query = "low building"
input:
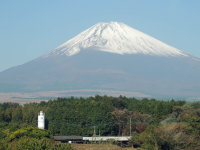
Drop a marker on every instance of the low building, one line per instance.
(80, 139)
(107, 138)
(74, 139)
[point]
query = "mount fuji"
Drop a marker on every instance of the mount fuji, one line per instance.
(109, 56)
(115, 38)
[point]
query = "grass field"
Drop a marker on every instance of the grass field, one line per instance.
(98, 147)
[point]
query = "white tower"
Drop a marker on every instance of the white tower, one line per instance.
(41, 120)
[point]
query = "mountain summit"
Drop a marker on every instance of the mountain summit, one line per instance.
(115, 37)
(105, 59)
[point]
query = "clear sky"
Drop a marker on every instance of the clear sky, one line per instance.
(31, 28)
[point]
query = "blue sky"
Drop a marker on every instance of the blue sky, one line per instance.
(29, 29)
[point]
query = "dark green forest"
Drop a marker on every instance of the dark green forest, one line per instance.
(154, 124)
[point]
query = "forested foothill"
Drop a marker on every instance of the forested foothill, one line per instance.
(153, 124)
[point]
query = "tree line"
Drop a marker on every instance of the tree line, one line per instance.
(78, 116)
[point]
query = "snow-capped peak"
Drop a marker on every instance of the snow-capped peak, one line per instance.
(115, 37)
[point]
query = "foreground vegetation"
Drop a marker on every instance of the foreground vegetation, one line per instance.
(154, 124)
(28, 138)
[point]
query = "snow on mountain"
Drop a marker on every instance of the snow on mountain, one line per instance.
(115, 37)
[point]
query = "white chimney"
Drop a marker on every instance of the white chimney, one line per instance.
(41, 120)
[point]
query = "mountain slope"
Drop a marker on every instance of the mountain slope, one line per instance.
(109, 56)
